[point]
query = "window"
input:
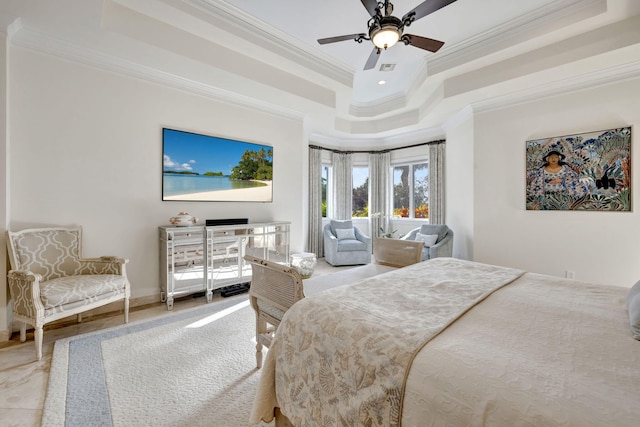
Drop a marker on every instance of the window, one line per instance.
(325, 189)
(411, 190)
(360, 199)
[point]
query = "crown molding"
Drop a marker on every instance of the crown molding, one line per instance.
(382, 106)
(371, 142)
(10, 25)
(457, 119)
(248, 27)
(47, 44)
(515, 31)
(571, 84)
(388, 123)
(392, 102)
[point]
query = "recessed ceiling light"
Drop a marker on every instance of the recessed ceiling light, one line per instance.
(382, 82)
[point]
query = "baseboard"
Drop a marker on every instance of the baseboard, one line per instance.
(5, 335)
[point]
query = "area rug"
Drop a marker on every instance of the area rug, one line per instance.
(193, 367)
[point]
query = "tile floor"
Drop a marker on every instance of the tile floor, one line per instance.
(23, 380)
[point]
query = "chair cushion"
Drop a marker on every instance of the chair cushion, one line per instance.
(345, 233)
(68, 290)
(336, 224)
(439, 229)
(350, 245)
(427, 239)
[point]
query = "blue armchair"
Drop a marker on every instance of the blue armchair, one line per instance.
(345, 244)
(438, 240)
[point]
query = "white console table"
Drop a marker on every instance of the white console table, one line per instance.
(199, 258)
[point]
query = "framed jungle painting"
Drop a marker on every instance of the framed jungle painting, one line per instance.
(588, 171)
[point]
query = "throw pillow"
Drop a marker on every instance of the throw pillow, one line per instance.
(439, 229)
(336, 224)
(345, 233)
(633, 307)
(428, 239)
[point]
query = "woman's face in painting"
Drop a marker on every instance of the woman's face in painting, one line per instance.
(553, 159)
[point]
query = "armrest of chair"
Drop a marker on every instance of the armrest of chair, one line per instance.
(443, 248)
(330, 239)
(24, 287)
(411, 235)
(103, 265)
(363, 238)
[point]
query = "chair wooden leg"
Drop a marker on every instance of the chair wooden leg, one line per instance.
(38, 340)
(259, 355)
(23, 331)
(261, 327)
(79, 317)
(126, 310)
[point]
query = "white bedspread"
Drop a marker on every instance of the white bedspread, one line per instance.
(542, 351)
(342, 357)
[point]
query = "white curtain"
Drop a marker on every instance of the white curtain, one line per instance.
(342, 185)
(314, 240)
(379, 192)
(436, 183)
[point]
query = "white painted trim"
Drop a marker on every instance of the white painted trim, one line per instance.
(259, 32)
(381, 106)
(391, 102)
(514, 31)
(572, 84)
(36, 41)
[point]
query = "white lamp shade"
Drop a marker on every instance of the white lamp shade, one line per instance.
(386, 37)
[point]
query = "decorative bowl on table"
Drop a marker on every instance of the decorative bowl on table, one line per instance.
(183, 219)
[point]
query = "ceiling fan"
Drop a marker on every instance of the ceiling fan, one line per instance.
(385, 30)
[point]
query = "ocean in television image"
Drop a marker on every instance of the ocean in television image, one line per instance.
(199, 167)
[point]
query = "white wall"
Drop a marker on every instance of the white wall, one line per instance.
(4, 213)
(600, 247)
(86, 149)
(459, 186)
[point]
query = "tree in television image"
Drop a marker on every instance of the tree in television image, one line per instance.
(589, 171)
(254, 165)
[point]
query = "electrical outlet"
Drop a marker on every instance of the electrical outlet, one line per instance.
(569, 274)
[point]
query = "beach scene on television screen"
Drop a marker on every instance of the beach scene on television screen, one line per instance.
(589, 171)
(200, 167)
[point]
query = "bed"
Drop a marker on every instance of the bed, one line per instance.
(448, 342)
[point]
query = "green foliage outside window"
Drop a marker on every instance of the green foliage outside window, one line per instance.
(360, 203)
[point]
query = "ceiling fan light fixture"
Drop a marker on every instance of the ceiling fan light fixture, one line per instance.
(386, 37)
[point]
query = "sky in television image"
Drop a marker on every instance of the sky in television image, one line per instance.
(208, 168)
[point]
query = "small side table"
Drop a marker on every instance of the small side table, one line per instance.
(304, 262)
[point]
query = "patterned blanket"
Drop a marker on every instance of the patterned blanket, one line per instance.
(342, 357)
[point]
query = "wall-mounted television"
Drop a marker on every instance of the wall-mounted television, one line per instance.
(197, 167)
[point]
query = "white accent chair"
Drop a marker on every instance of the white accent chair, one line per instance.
(274, 289)
(345, 244)
(49, 280)
(443, 246)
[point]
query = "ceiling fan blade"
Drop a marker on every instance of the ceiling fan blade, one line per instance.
(424, 43)
(370, 5)
(373, 59)
(427, 7)
(341, 38)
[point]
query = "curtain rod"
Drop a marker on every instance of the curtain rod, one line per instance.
(388, 150)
